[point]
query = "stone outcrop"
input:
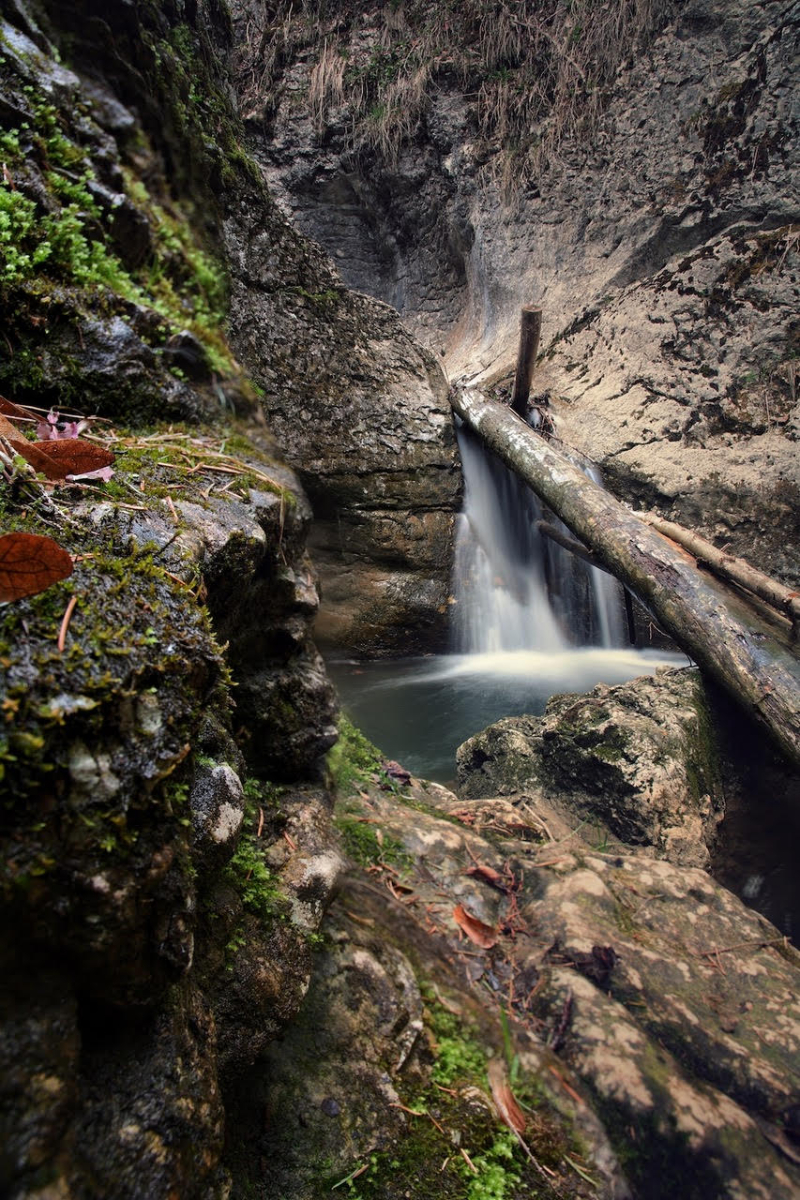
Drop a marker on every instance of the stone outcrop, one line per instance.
(638, 760)
(636, 991)
(358, 406)
(659, 234)
(153, 943)
(361, 411)
(156, 921)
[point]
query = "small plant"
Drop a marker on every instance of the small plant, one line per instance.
(496, 1178)
(458, 1055)
(247, 871)
(367, 845)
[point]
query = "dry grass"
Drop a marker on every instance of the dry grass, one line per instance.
(537, 72)
(326, 86)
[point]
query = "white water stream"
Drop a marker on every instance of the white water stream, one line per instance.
(516, 590)
(529, 620)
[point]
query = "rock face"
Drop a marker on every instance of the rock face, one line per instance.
(644, 990)
(156, 922)
(361, 411)
(155, 936)
(658, 236)
(359, 407)
(638, 759)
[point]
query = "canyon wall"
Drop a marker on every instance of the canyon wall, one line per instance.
(647, 201)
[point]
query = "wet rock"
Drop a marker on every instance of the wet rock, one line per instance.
(130, 228)
(639, 760)
(149, 1115)
(183, 350)
(120, 374)
(216, 801)
(40, 1046)
(361, 411)
(693, 1038)
(121, 826)
(267, 958)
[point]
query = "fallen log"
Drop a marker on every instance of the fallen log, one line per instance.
(711, 624)
(781, 598)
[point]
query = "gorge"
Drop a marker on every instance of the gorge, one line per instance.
(244, 953)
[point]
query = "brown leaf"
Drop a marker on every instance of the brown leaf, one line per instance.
(9, 431)
(488, 875)
(29, 564)
(16, 411)
(39, 460)
(72, 456)
(510, 1112)
(476, 931)
(56, 458)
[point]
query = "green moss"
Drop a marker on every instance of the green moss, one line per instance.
(703, 766)
(255, 884)
(459, 1057)
(68, 241)
(366, 845)
(353, 759)
(426, 1161)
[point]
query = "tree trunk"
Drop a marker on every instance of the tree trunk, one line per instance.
(781, 598)
(710, 623)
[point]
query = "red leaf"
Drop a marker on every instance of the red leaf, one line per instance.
(476, 931)
(72, 456)
(37, 458)
(41, 462)
(29, 564)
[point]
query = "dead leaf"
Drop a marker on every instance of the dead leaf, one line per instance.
(9, 431)
(58, 458)
(510, 1112)
(74, 456)
(38, 458)
(477, 932)
(30, 563)
(488, 875)
(16, 411)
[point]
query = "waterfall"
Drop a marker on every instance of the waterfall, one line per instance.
(514, 589)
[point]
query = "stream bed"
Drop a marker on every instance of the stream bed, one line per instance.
(418, 711)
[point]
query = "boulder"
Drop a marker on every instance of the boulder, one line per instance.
(639, 761)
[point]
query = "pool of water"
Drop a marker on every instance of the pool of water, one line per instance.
(418, 711)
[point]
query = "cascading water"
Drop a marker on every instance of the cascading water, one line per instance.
(516, 590)
(530, 620)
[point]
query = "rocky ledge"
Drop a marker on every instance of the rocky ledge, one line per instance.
(645, 1017)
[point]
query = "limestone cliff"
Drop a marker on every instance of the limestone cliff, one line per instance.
(631, 168)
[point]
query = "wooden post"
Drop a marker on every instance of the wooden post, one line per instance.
(530, 327)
